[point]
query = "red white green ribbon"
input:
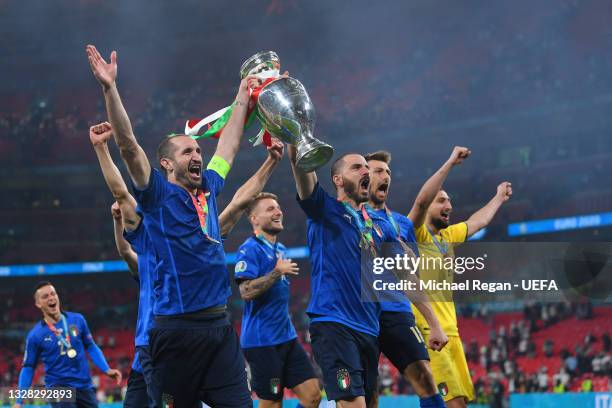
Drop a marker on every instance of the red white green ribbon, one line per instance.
(212, 125)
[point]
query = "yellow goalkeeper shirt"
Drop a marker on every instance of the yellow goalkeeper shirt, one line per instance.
(441, 302)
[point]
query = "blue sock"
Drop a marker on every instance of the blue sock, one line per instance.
(432, 402)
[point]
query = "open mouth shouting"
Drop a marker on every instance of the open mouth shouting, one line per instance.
(382, 190)
(364, 183)
(53, 306)
(195, 171)
(445, 215)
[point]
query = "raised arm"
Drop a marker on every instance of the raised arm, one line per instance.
(434, 184)
(231, 135)
(234, 210)
(132, 154)
(123, 247)
(483, 217)
(304, 182)
(99, 136)
(253, 288)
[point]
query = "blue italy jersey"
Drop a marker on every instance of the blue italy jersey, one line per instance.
(265, 321)
(335, 255)
(191, 273)
(147, 261)
(400, 302)
(43, 344)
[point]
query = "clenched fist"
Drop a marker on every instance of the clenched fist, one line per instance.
(100, 133)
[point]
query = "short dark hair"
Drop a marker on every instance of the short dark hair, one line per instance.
(39, 285)
(257, 199)
(381, 155)
(166, 150)
(338, 164)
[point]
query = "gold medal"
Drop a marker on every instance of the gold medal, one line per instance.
(71, 353)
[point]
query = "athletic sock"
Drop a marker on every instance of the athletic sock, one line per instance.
(435, 401)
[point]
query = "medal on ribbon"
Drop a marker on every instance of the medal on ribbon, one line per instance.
(63, 341)
(201, 205)
(365, 227)
(393, 222)
(441, 244)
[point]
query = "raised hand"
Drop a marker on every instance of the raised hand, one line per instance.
(105, 73)
(276, 150)
(100, 133)
(244, 91)
(459, 154)
(504, 191)
(116, 211)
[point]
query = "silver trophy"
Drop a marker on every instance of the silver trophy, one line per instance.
(286, 111)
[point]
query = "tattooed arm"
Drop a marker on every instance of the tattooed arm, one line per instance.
(253, 288)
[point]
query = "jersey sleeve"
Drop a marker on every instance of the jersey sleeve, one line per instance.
(421, 233)
(247, 264)
(86, 336)
(153, 195)
(456, 233)
(215, 174)
(317, 204)
(32, 351)
(136, 238)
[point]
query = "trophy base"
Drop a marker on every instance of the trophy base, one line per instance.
(310, 158)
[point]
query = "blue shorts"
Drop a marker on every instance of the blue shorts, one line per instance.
(348, 359)
(399, 339)
(275, 367)
(198, 360)
(85, 398)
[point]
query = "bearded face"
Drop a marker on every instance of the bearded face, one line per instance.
(380, 180)
(354, 179)
(185, 166)
(267, 216)
(440, 210)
